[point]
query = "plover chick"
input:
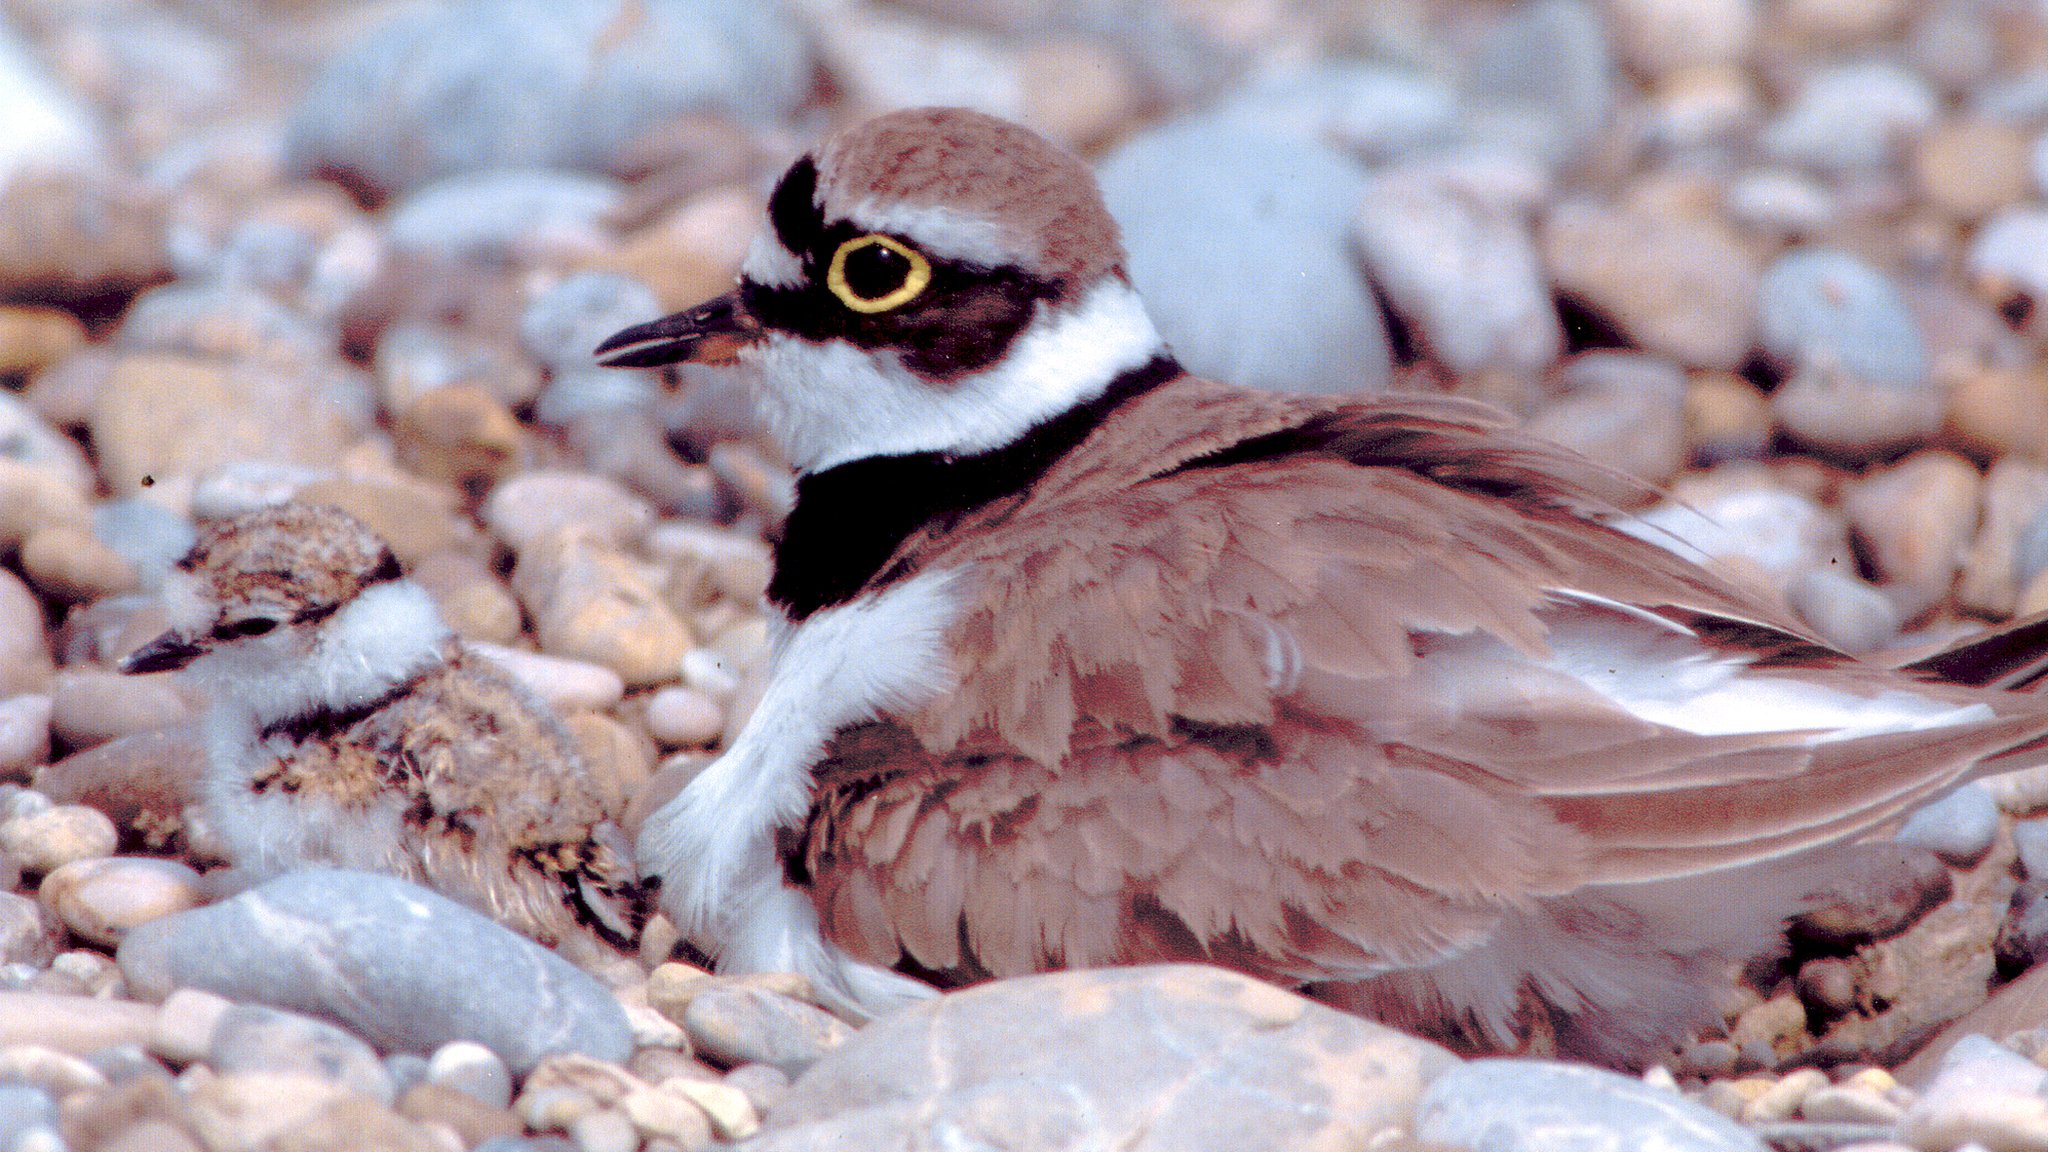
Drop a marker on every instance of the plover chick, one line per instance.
(348, 727)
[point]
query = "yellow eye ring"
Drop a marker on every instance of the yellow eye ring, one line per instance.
(914, 282)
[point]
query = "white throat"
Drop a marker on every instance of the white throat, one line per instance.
(831, 403)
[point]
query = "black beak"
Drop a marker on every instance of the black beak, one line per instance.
(167, 653)
(711, 333)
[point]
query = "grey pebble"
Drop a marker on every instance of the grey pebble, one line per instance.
(565, 324)
(25, 1110)
(1823, 304)
(1981, 1091)
(474, 1069)
(1852, 116)
(1374, 111)
(2011, 249)
(1959, 827)
(488, 216)
(1850, 614)
(1533, 1106)
(1271, 296)
(149, 535)
(28, 935)
(481, 84)
(735, 1024)
(253, 1038)
(408, 1070)
(2030, 837)
(1542, 80)
(402, 967)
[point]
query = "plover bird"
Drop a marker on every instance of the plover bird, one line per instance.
(1082, 660)
(349, 728)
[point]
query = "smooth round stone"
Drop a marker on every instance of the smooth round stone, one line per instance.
(100, 900)
(589, 602)
(686, 256)
(71, 566)
(2015, 494)
(143, 780)
(186, 1024)
(1726, 418)
(535, 505)
(1370, 110)
(312, 941)
(1271, 296)
(1851, 116)
(1823, 305)
(415, 358)
(2030, 838)
(80, 234)
(661, 1113)
(1849, 614)
(1916, 520)
(486, 84)
(91, 706)
(80, 1025)
(1461, 271)
(1529, 1104)
(251, 1038)
(684, 718)
(565, 324)
(220, 319)
(32, 442)
(28, 1119)
(256, 1110)
(45, 841)
(1779, 533)
(28, 935)
(1841, 1104)
(1851, 417)
(565, 685)
(1970, 168)
(24, 734)
(1157, 1057)
(472, 1069)
(605, 1130)
(1958, 827)
(2010, 253)
(48, 124)
(470, 596)
(2000, 411)
(1678, 286)
(1703, 106)
(58, 1073)
(33, 338)
(34, 497)
(25, 662)
(764, 1084)
(1982, 1093)
(1781, 1101)
(1658, 36)
(1781, 200)
(461, 436)
(1541, 80)
(470, 1119)
(1624, 410)
(618, 756)
(736, 1024)
(149, 536)
(223, 412)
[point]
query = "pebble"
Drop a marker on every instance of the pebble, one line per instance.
(1460, 268)
(1662, 36)
(79, 1025)
(469, 1118)
(1826, 306)
(1847, 1104)
(2009, 254)
(1681, 287)
(71, 566)
(732, 1115)
(604, 1130)
(251, 1038)
(1915, 521)
(538, 505)
(685, 257)
(27, 934)
(1529, 1104)
(80, 233)
(1157, 1057)
(147, 535)
(2015, 493)
(414, 358)
(186, 1025)
(100, 900)
(25, 662)
(1970, 168)
(1540, 81)
(1980, 1092)
(591, 602)
(2000, 411)
(487, 84)
(461, 436)
(1734, 515)
(309, 940)
(90, 706)
(662, 1113)
(564, 685)
(736, 1024)
(1272, 297)
(45, 841)
(24, 734)
(58, 1073)
(25, 1109)
(1851, 615)
(2030, 838)
(1959, 827)
(33, 338)
(1851, 116)
(470, 596)
(564, 325)
(474, 1070)
(1782, 201)
(249, 1111)
(684, 718)
(1624, 410)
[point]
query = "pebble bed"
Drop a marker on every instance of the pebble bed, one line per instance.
(1779, 258)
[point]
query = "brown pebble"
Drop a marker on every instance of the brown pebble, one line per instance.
(1828, 986)
(472, 599)
(460, 435)
(619, 759)
(33, 338)
(354, 1124)
(469, 1117)
(72, 1024)
(91, 706)
(71, 566)
(1970, 167)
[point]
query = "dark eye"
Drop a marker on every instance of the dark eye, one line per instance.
(875, 273)
(253, 626)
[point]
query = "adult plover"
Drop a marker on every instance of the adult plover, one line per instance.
(1082, 660)
(349, 728)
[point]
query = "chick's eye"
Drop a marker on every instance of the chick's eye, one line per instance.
(253, 626)
(876, 273)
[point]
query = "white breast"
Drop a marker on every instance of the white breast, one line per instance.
(713, 845)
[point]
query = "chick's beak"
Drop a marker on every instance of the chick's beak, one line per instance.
(711, 333)
(167, 653)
